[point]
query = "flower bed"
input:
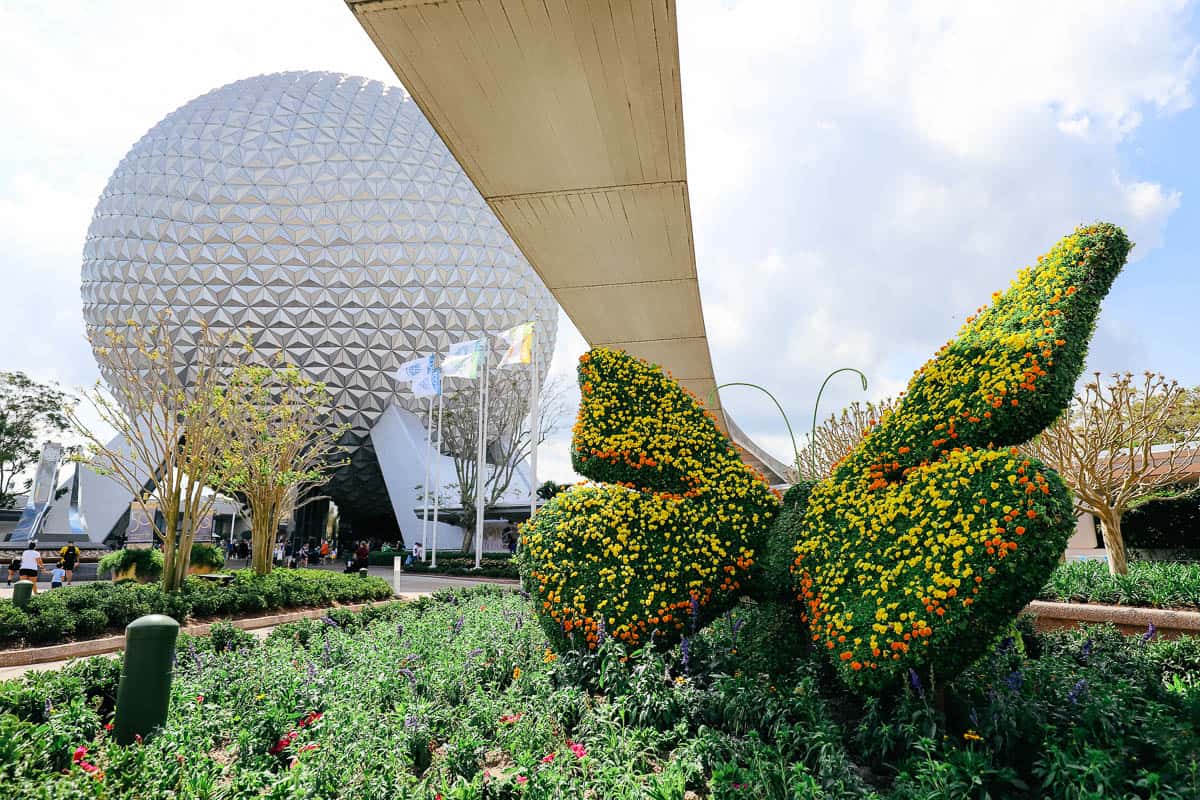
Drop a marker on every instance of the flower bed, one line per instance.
(1151, 584)
(96, 609)
(491, 566)
(447, 695)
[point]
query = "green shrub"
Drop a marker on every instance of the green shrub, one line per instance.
(207, 555)
(89, 610)
(225, 636)
(90, 622)
(147, 563)
(50, 624)
(14, 623)
(1164, 523)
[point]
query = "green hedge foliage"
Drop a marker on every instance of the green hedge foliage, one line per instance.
(92, 609)
(1164, 523)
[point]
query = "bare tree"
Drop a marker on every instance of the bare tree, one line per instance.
(839, 434)
(163, 405)
(508, 436)
(1104, 447)
(279, 446)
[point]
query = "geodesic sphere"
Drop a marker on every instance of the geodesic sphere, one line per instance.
(321, 215)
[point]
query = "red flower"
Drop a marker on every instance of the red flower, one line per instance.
(508, 719)
(579, 750)
(310, 718)
(521, 779)
(546, 759)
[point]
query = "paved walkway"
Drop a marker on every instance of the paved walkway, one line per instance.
(405, 586)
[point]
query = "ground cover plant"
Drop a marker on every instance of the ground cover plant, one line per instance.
(923, 543)
(1149, 583)
(460, 696)
(95, 609)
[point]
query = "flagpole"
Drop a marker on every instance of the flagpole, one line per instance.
(535, 422)
(425, 485)
(437, 473)
(480, 473)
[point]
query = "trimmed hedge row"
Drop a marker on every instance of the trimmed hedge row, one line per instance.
(1165, 523)
(489, 567)
(93, 609)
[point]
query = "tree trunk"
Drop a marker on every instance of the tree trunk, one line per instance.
(1114, 543)
(262, 540)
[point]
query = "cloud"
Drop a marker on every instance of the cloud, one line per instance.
(891, 166)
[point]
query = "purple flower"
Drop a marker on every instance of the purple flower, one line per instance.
(694, 609)
(914, 680)
(312, 670)
(1078, 689)
(1015, 680)
(600, 632)
(1086, 650)
(329, 621)
(456, 628)
(400, 631)
(411, 721)
(1150, 633)
(1006, 644)
(685, 653)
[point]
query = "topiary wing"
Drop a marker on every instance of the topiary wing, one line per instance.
(934, 531)
(668, 535)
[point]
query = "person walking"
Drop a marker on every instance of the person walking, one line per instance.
(324, 551)
(362, 556)
(68, 559)
(56, 576)
(243, 550)
(31, 565)
(14, 567)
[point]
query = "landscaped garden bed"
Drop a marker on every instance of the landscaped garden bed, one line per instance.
(1149, 583)
(459, 696)
(97, 609)
(456, 562)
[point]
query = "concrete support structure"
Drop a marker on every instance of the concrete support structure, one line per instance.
(568, 118)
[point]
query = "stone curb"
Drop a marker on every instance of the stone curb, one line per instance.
(1129, 619)
(111, 644)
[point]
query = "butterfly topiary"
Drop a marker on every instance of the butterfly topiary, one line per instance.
(921, 545)
(666, 540)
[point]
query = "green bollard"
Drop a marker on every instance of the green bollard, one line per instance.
(362, 573)
(21, 593)
(145, 689)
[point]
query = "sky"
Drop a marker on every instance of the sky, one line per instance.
(862, 176)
